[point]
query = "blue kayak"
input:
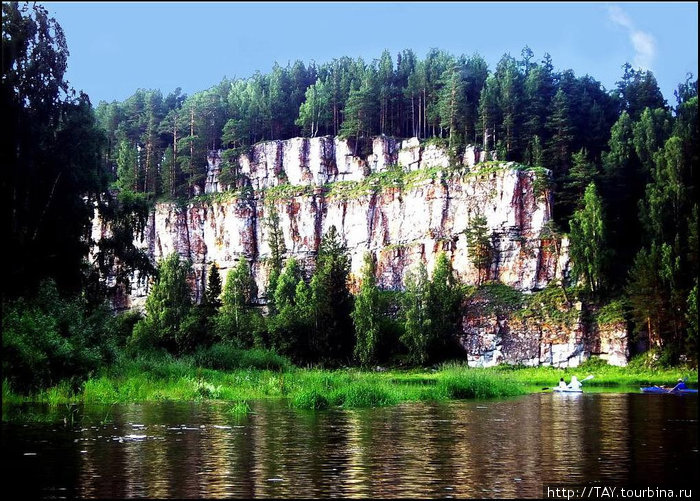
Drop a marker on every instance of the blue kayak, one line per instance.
(657, 389)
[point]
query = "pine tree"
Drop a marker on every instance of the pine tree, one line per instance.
(333, 336)
(479, 247)
(127, 167)
(510, 103)
(488, 113)
(574, 184)
(560, 128)
(452, 105)
(290, 323)
(360, 110)
(212, 293)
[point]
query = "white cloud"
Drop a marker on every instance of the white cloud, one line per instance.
(644, 43)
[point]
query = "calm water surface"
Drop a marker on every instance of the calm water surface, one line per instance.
(499, 449)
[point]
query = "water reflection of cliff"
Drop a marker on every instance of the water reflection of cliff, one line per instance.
(507, 448)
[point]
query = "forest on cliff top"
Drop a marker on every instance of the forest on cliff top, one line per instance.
(623, 161)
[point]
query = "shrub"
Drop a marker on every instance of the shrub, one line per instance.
(225, 356)
(49, 339)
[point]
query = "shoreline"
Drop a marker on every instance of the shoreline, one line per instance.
(338, 388)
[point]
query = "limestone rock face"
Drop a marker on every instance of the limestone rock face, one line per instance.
(400, 224)
(322, 160)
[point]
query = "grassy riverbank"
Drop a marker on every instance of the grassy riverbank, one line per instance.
(304, 388)
(185, 380)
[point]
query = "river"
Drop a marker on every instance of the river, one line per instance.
(507, 448)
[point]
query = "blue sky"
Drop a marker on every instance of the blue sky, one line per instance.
(116, 48)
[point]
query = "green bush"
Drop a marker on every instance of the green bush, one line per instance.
(225, 356)
(49, 339)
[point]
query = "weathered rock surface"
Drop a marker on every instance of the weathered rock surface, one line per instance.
(400, 225)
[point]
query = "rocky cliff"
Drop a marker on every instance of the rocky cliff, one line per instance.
(404, 202)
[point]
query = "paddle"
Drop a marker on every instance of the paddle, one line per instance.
(671, 390)
(581, 381)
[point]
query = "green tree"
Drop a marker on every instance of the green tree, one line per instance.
(234, 321)
(588, 246)
(638, 90)
(52, 170)
(510, 89)
(332, 333)
(622, 186)
(645, 293)
(452, 105)
(167, 307)
(444, 300)
(315, 112)
(127, 167)
(488, 113)
(360, 111)
(479, 247)
(366, 315)
(212, 294)
(560, 128)
(417, 323)
(649, 134)
(582, 173)
(290, 323)
(277, 250)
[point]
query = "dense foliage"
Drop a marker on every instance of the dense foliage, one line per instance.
(623, 169)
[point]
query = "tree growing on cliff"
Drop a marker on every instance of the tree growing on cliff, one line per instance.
(360, 111)
(366, 315)
(315, 111)
(479, 246)
(277, 250)
(452, 104)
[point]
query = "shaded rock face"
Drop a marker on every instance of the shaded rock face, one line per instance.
(399, 225)
(491, 339)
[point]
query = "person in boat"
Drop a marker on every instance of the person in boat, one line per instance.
(575, 384)
(679, 386)
(562, 383)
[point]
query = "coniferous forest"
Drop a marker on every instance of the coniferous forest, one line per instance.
(623, 162)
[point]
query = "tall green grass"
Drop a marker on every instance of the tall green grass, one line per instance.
(259, 374)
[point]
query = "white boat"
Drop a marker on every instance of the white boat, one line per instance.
(566, 390)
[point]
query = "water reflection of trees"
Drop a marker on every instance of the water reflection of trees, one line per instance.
(506, 448)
